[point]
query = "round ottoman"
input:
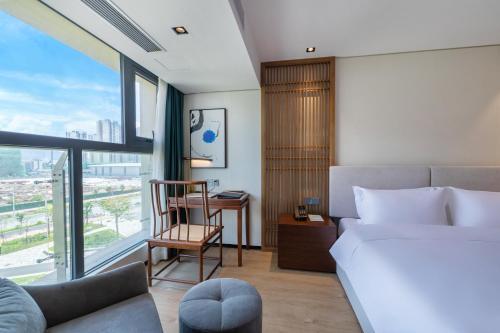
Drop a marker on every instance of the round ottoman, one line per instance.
(221, 305)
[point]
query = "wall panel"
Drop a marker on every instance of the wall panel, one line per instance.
(297, 136)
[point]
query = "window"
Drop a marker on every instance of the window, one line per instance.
(116, 205)
(66, 84)
(75, 196)
(145, 107)
(34, 215)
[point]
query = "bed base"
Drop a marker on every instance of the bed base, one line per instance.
(365, 324)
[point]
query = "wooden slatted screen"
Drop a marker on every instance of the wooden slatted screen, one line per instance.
(298, 122)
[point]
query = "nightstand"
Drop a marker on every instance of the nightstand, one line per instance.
(305, 245)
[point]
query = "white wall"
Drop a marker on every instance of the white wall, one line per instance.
(435, 107)
(243, 170)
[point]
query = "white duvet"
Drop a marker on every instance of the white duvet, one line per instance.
(424, 278)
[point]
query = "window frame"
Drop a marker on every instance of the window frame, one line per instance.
(131, 144)
(132, 69)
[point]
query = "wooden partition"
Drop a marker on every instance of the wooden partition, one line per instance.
(298, 133)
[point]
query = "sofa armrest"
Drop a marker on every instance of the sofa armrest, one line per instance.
(65, 301)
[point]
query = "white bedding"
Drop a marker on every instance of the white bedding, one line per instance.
(424, 278)
(346, 222)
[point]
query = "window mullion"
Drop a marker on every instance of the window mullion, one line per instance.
(77, 251)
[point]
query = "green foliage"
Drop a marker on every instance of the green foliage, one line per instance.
(91, 226)
(20, 217)
(10, 163)
(96, 239)
(6, 230)
(27, 279)
(116, 207)
(87, 210)
(19, 244)
(38, 197)
(100, 238)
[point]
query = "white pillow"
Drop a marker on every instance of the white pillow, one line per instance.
(408, 206)
(474, 208)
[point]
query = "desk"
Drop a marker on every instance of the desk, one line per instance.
(227, 204)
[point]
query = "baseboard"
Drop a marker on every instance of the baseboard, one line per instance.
(234, 246)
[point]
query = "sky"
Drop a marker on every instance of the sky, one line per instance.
(49, 88)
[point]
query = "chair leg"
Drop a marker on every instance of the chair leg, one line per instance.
(150, 267)
(201, 264)
(220, 249)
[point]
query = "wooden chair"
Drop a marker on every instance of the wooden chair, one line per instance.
(173, 234)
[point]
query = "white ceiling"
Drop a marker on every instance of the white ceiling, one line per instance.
(282, 29)
(212, 57)
(219, 56)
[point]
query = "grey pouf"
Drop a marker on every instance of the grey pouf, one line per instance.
(221, 305)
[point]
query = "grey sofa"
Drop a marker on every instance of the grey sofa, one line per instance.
(115, 301)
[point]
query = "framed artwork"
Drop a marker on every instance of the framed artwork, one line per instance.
(208, 138)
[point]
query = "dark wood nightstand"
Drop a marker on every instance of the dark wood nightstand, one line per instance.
(304, 245)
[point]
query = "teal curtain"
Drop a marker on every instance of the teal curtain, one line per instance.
(174, 141)
(174, 138)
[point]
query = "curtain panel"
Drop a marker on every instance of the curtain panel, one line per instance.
(168, 144)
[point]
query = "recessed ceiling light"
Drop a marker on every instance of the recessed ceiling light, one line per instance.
(180, 30)
(311, 49)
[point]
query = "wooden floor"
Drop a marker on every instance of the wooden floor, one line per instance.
(293, 301)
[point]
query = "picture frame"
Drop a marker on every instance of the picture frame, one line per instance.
(208, 138)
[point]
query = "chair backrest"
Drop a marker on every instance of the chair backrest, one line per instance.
(169, 199)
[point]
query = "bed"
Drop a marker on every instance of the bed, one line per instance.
(417, 278)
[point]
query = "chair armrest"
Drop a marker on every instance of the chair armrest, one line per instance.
(65, 301)
(215, 213)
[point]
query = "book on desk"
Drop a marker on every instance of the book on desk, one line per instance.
(230, 194)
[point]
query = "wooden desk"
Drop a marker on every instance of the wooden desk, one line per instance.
(227, 204)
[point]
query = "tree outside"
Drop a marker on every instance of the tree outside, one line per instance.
(87, 210)
(116, 207)
(20, 218)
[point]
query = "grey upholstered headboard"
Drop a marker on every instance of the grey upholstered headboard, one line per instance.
(469, 178)
(343, 178)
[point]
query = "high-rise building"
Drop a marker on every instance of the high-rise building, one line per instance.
(117, 132)
(98, 133)
(108, 131)
(104, 130)
(77, 134)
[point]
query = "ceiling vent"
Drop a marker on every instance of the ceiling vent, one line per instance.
(121, 22)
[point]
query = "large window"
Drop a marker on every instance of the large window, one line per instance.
(117, 204)
(51, 88)
(76, 121)
(145, 105)
(34, 215)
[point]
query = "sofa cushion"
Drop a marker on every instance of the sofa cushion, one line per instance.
(18, 311)
(137, 314)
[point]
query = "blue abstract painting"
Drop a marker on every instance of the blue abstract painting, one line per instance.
(208, 137)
